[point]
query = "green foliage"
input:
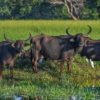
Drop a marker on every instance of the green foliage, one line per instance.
(39, 9)
(25, 10)
(90, 10)
(98, 2)
(90, 14)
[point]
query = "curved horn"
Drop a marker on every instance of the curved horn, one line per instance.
(68, 32)
(90, 29)
(7, 38)
(28, 38)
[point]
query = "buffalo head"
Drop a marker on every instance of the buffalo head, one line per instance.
(18, 44)
(79, 38)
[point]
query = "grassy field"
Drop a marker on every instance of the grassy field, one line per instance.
(46, 82)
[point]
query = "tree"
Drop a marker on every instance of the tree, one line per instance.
(74, 7)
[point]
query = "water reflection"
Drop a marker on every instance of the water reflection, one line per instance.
(51, 98)
(82, 94)
(37, 98)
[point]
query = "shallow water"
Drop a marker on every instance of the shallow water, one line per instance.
(48, 98)
(92, 93)
(51, 98)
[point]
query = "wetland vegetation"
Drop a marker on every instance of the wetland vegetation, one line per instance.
(84, 81)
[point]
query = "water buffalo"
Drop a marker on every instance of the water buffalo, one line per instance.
(28, 55)
(87, 47)
(61, 48)
(90, 49)
(9, 53)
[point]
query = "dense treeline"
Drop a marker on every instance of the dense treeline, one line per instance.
(39, 9)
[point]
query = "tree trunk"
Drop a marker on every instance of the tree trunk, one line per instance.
(75, 18)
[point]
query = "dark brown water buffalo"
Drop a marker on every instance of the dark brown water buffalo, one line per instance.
(88, 47)
(91, 49)
(9, 53)
(61, 48)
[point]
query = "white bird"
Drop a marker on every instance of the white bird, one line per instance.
(91, 62)
(17, 98)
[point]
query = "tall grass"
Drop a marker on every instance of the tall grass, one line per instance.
(20, 29)
(46, 82)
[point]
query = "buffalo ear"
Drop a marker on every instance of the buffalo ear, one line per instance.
(26, 44)
(13, 44)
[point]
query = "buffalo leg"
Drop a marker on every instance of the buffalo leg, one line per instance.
(34, 57)
(35, 63)
(11, 72)
(35, 66)
(1, 73)
(11, 69)
(69, 65)
(61, 67)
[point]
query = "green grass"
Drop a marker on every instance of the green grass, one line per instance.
(20, 29)
(46, 82)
